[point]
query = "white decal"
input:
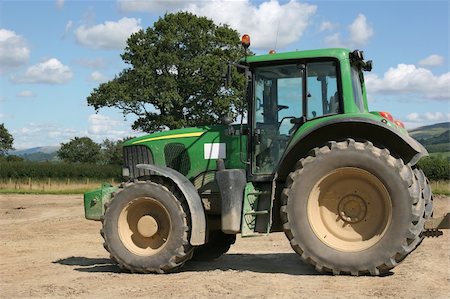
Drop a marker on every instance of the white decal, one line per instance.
(215, 151)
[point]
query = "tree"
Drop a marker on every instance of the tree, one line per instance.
(6, 140)
(82, 150)
(112, 152)
(175, 75)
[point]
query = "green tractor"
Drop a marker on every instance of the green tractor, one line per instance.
(340, 181)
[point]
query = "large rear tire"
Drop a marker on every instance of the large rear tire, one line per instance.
(352, 208)
(146, 229)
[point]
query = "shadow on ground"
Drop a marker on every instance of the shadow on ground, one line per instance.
(285, 263)
(89, 264)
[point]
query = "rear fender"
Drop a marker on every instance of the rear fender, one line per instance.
(380, 134)
(198, 218)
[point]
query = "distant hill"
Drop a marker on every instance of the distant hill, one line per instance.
(431, 131)
(435, 138)
(40, 149)
(42, 153)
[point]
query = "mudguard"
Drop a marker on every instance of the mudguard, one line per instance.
(401, 144)
(198, 218)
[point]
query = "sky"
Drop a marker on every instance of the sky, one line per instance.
(54, 53)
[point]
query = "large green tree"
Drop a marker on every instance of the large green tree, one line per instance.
(6, 140)
(174, 78)
(112, 152)
(81, 150)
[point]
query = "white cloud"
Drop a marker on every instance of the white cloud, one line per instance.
(415, 119)
(50, 71)
(26, 94)
(42, 134)
(327, 26)
(261, 21)
(109, 35)
(267, 23)
(409, 79)
(13, 50)
(104, 126)
(432, 61)
(96, 76)
(360, 31)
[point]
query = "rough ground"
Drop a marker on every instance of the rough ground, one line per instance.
(49, 250)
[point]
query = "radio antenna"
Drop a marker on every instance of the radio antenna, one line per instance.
(276, 37)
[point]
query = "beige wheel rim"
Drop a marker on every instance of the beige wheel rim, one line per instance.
(144, 226)
(349, 209)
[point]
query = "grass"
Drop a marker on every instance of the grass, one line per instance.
(49, 186)
(68, 186)
(440, 187)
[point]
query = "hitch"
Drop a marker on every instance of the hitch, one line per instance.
(433, 226)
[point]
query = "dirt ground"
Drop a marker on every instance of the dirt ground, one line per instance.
(49, 250)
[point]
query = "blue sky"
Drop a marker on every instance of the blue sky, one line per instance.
(53, 53)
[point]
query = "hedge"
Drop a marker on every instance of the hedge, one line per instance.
(60, 170)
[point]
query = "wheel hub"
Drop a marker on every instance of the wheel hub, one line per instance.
(147, 226)
(352, 208)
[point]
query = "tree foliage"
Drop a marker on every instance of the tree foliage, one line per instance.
(111, 152)
(174, 78)
(6, 140)
(436, 167)
(80, 149)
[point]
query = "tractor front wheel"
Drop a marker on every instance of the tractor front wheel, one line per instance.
(352, 208)
(146, 229)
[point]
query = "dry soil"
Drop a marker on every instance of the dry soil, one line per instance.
(48, 250)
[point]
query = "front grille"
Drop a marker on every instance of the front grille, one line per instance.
(137, 154)
(177, 157)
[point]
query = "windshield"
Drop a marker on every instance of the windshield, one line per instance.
(278, 92)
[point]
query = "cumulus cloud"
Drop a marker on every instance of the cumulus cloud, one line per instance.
(102, 125)
(267, 23)
(13, 50)
(26, 94)
(96, 76)
(415, 119)
(42, 134)
(50, 71)
(109, 35)
(409, 79)
(432, 61)
(359, 34)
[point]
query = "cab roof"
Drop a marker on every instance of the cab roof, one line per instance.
(338, 53)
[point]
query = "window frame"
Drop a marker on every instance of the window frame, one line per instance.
(251, 96)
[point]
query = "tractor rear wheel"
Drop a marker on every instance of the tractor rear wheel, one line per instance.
(218, 244)
(146, 228)
(352, 208)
